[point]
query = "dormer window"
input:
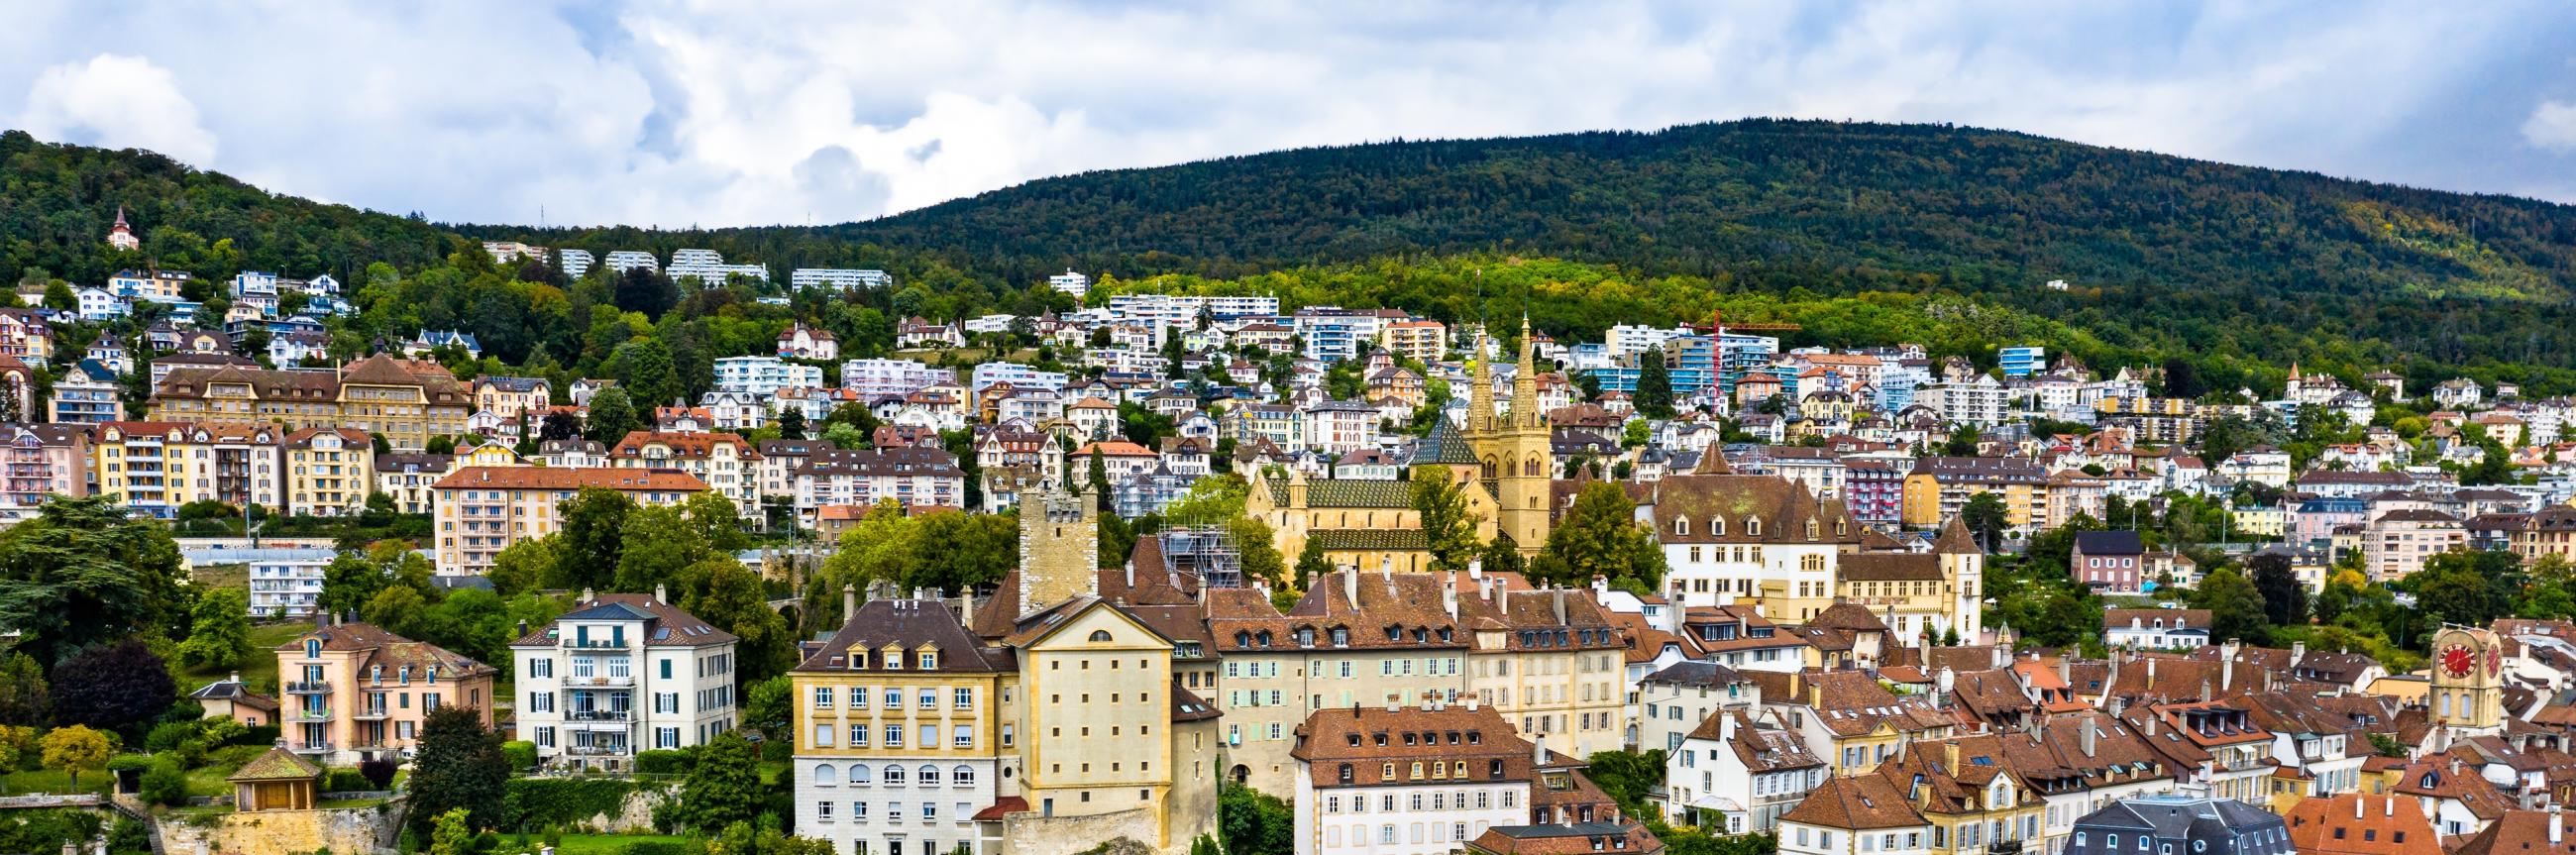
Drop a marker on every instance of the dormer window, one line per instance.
(1811, 529)
(313, 648)
(1717, 526)
(1752, 526)
(1681, 525)
(1341, 636)
(929, 660)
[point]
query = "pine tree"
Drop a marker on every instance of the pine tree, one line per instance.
(1654, 398)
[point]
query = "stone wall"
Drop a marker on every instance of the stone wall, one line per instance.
(344, 831)
(1031, 834)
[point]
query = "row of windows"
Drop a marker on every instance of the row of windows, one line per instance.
(860, 774)
(960, 736)
(960, 698)
(1451, 800)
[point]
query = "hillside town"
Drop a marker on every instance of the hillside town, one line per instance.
(1165, 564)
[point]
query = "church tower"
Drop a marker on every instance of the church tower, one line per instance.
(1519, 461)
(1059, 548)
(121, 236)
(2468, 680)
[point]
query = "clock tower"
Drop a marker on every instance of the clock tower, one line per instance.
(2468, 680)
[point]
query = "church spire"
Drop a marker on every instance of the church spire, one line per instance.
(1525, 382)
(1480, 388)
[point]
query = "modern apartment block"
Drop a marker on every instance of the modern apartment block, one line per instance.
(842, 278)
(349, 691)
(622, 673)
(481, 510)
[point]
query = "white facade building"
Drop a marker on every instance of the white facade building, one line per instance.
(762, 375)
(878, 378)
(834, 277)
(1070, 282)
(574, 262)
(283, 582)
(622, 673)
(626, 259)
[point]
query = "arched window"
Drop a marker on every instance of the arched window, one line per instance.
(1242, 639)
(826, 775)
(859, 774)
(893, 774)
(313, 648)
(929, 774)
(962, 775)
(1811, 529)
(1099, 635)
(2079, 838)
(1341, 636)
(2111, 841)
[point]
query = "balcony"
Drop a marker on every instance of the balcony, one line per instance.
(369, 713)
(310, 747)
(597, 751)
(594, 644)
(315, 687)
(311, 714)
(579, 682)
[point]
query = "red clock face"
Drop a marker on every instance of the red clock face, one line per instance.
(2495, 661)
(2458, 660)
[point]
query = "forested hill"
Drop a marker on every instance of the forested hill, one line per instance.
(2216, 258)
(2205, 251)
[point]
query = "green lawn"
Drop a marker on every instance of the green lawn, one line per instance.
(260, 670)
(50, 781)
(608, 844)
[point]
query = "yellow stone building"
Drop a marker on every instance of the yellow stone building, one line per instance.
(2467, 692)
(408, 401)
(1503, 462)
(329, 472)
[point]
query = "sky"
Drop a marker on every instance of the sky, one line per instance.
(713, 113)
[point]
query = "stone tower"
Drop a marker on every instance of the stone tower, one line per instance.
(1059, 548)
(2468, 680)
(1519, 462)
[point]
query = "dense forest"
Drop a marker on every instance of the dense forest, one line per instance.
(2227, 264)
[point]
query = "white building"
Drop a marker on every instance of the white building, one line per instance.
(763, 375)
(1733, 776)
(96, 304)
(878, 378)
(1070, 282)
(626, 259)
(622, 673)
(283, 582)
(1019, 376)
(707, 265)
(1855, 815)
(574, 262)
(845, 279)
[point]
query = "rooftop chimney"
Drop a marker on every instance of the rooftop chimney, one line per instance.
(1941, 683)
(2298, 652)
(2226, 666)
(661, 593)
(587, 595)
(2557, 829)
(1725, 726)
(1472, 699)
(849, 602)
(1449, 601)
(2091, 731)
(1351, 587)
(1560, 607)
(1538, 750)
(2360, 805)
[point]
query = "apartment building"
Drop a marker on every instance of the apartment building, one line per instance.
(328, 472)
(1762, 539)
(910, 476)
(42, 461)
(409, 401)
(409, 476)
(159, 466)
(622, 673)
(1938, 487)
(725, 462)
(87, 394)
(625, 260)
(842, 278)
(884, 378)
(512, 397)
(284, 581)
(1423, 340)
(1333, 651)
(481, 510)
(348, 691)
(1398, 780)
(765, 375)
(1733, 775)
(908, 731)
(2396, 544)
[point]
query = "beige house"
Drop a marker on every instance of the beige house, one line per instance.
(408, 401)
(353, 690)
(231, 698)
(511, 397)
(725, 462)
(481, 510)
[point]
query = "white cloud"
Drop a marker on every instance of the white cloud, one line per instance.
(2552, 126)
(117, 101)
(681, 112)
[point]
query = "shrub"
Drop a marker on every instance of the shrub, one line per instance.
(523, 755)
(167, 735)
(664, 761)
(123, 762)
(262, 735)
(379, 772)
(165, 784)
(656, 847)
(346, 781)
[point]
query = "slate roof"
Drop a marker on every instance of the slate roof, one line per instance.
(1866, 801)
(278, 764)
(1347, 493)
